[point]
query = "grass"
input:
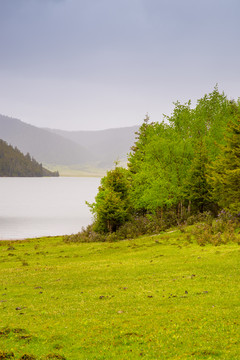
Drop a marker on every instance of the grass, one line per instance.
(77, 170)
(94, 170)
(157, 297)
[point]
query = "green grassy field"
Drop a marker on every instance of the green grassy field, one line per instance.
(156, 297)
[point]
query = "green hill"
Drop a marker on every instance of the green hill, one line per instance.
(15, 163)
(150, 298)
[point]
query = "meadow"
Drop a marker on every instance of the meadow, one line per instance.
(154, 297)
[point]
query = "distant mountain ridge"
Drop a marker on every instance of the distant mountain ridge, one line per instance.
(107, 145)
(98, 149)
(43, 145)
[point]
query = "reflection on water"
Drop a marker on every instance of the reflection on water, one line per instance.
(33, 207)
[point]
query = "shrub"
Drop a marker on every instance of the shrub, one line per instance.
(86, 235)
(137, 226)
(217, 231)
(207, 230)
(112, 207)
(206, 217)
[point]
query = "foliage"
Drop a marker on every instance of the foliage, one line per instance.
(137, 226)
(14, 163)
(157, 184)
(85, 235)
(112, 204)
(206, 228)
(225, 171)
(138, 149)
(170, 160)
(221, 230)
(198, 189)
(177, 169)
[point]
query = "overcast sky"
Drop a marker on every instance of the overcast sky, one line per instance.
(97, 64)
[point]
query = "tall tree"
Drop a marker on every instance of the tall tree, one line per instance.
(225, 171)
(136, 156)
(198, 190)
(112, 204)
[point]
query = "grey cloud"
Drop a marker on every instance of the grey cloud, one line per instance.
(109, 45)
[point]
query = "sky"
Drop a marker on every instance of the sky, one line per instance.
(98, 64)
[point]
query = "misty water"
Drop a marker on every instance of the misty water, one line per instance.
(34, 207)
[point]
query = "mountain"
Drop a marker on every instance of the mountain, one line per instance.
(14, 163)
(45, 146)
(75, 150)
(107, 145)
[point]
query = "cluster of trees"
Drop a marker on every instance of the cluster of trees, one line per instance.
(187, 164)
(14, 163)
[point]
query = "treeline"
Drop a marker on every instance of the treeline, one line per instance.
(185, 166)
(14, 163)
(191, 162)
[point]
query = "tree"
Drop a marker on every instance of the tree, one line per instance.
(112, 206)
(161, 168)
(198, 189)
(169, 159)
(136, 156)
(225, 171)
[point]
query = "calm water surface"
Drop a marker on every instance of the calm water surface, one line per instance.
(33, 207)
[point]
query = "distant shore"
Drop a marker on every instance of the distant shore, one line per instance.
(74, 171)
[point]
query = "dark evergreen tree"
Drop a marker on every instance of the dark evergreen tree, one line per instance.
(112, 204)
(225, 171)
(198, 189)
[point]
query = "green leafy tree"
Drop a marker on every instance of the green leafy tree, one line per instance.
(161, 170)
(112, 207)
(137, 154)
(169, 159)
(168, 167)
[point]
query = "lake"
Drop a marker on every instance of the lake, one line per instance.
(34, 207)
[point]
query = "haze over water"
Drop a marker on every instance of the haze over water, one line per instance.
(34, 207)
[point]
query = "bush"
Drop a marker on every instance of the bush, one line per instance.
(206, 217)
(137, 226)
(207, 230)
(86, 235)
(217, 231)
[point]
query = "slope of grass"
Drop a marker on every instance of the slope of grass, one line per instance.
(77, 170)
(154, 297)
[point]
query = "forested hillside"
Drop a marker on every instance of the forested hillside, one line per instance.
(14, 163)
(180, 168)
